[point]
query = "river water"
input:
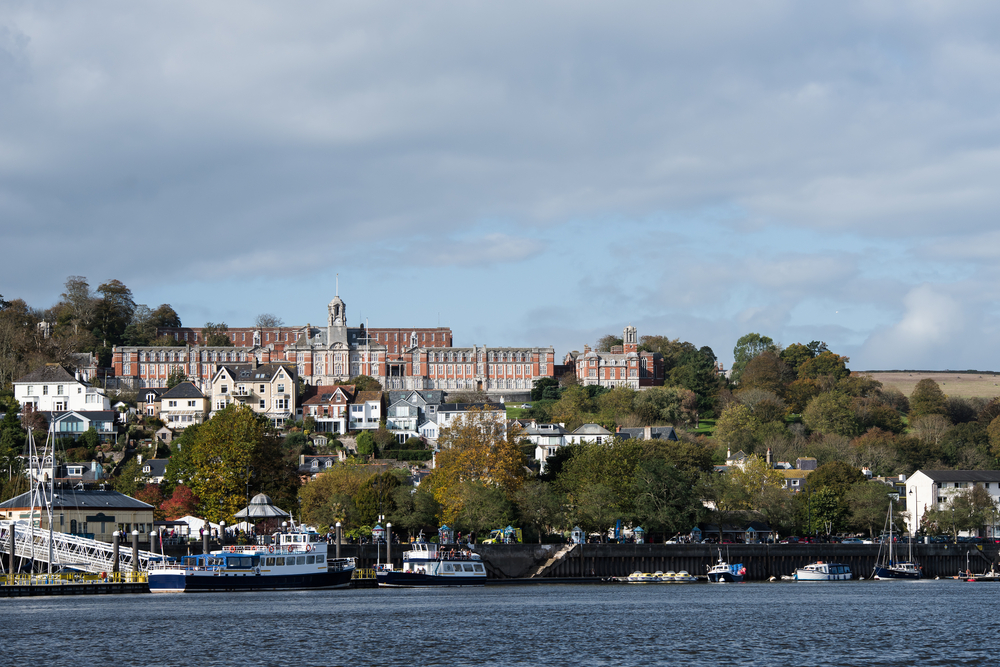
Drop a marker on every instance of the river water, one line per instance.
(790, 623)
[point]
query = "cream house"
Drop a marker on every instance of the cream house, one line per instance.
(268, 389)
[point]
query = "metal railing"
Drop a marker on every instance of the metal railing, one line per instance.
(74, 578)
(80, 553)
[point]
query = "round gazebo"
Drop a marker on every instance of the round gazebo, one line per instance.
(261, 508)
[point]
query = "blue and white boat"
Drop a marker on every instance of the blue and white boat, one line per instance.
(427, 564)
(294, 560)
(726, 573)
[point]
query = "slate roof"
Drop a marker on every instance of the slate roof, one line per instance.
(962, 475)
(655, 433)
(324, 393)
(364, 396)
(48, 373)
(83, 499)
(91, 415)
(247, 373)
(157, 467)
(183, 390)
(591, 429)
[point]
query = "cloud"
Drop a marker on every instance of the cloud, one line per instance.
(931, 327)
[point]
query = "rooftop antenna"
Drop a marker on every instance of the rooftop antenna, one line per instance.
(338, 285)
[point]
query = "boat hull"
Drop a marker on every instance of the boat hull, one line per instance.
(727, 577)
(191, 582)
(403, 579)
(882, 572)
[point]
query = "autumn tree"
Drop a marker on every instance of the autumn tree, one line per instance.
(152, 495)
(752, 478)
(232, 451)
(831, 412)
(477, 446)
(182, 502)
(766, 371)
(826, 364)
(328, 498)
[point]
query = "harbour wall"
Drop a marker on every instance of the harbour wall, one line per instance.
(762, 561)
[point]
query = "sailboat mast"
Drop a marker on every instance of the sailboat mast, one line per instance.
(50, 449)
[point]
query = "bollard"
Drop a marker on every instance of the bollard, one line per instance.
(204, 540)
(135, 551)
(153, 541)
(114, 551)
(10, 551)
(388, 544)
(338, 541)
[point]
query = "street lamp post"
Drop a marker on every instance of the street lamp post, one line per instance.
(914, 519)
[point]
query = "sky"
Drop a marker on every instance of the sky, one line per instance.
(526, 173)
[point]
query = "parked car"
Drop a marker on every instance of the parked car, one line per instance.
(852, 540)
(525, 405)
(791, 539)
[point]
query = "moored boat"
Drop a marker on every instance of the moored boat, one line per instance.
(294, 560)
(427, 564)
(886, 565)
(726, 573)
(823, 571)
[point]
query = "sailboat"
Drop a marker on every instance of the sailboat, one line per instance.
(886, 565)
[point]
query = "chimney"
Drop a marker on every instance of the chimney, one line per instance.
(586, 349)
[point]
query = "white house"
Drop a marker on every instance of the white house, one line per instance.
(589, 433)
(367, 410)
(54, 389)
(447, 413)
(547, 439)
(934, 489)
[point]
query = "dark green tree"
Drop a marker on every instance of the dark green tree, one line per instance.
(748, 347)
(927, 399)
(214, 334)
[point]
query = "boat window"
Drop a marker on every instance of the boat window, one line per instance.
(269, 561)
(244, 561)
(310, 560)
(301, 560)
(468, 567)
(447, 567)
(279, 561)
(479, 568)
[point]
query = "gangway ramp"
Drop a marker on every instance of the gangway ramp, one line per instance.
(68, 551)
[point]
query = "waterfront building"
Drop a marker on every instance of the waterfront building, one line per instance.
(935, 489)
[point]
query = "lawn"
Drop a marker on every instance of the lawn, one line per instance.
(960, 385)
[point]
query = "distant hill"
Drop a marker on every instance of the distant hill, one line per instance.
(963, 384)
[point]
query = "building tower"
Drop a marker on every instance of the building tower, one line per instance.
(630, 340)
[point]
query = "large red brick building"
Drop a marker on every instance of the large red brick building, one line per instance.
(399, 358)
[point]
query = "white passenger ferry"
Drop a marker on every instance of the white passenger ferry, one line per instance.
(427, 564)
(294, 560)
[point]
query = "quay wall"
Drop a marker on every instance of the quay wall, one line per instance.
(762, 561)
